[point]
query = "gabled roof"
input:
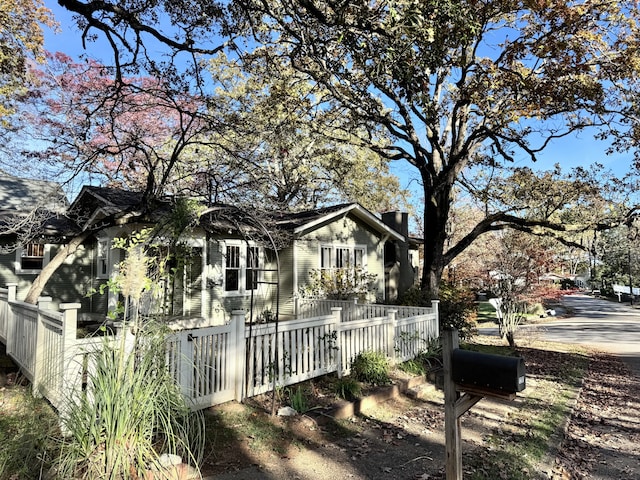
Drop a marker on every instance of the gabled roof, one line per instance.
(94, 203)
(226, 219)
(304, 222)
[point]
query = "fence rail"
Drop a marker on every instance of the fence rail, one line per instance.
(353, 310)
(213, 365)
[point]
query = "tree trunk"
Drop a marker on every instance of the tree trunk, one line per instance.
(41, 280)
(436, 213)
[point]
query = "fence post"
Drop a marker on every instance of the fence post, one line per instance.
(70, 323)
(436, 312)
(391, 334)
(238, 352)
(336, 312)
(11, 318)
(453, 442)
(68, 386)
(44, 303)
(185, 368)
(12, 288)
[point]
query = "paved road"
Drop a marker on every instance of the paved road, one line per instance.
(608, 326)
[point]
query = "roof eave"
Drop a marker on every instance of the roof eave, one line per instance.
(359, 212)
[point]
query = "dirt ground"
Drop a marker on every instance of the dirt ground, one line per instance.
(403, 438)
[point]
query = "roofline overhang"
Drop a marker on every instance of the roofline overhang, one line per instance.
(357, 211)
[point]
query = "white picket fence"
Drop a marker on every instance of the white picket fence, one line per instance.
(353, 310)
(43, 344)
(216, 364)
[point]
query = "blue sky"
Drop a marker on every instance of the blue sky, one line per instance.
(578, 150)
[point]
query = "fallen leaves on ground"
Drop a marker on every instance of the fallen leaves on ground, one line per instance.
(603, 434)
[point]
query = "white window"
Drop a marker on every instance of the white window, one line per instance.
(102, 258)
(253, 268)
(343, 256)
(325, 258)
(232, 269)
(242, 264)
(359, 257)
(32, 258)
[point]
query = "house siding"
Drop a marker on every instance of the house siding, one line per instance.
(287, 294)
(70, 283)
(347, 232)
(203, 294)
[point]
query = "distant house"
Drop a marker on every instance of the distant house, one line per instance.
(230, 255)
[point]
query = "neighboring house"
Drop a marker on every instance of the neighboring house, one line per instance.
(32, 226)
(231, 256)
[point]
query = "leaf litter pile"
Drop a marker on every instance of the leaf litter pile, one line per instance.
(603, 434)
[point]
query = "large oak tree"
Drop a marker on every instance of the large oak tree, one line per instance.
(460, 85)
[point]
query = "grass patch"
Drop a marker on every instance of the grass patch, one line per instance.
(518, 446)
(486, 313)
(28, 427)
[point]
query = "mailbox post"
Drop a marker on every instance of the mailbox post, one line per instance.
(468, 378)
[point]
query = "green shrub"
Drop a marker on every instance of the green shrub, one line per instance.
(348, 388)
(371, 367)
(415, 296)
(426, 360)
(458, 310)
(457, 307)
(413, 366)
(340, 284)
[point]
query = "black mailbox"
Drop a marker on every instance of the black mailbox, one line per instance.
(486, 371)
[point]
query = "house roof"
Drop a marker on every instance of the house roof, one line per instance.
(98, 202)
(224, 218)
(94, 203)
(33, 207)
(25, 195)
(303, 222)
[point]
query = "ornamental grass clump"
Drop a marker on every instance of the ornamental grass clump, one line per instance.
(132, 410)
(348, 388)
(371, 367)
(131, 413)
